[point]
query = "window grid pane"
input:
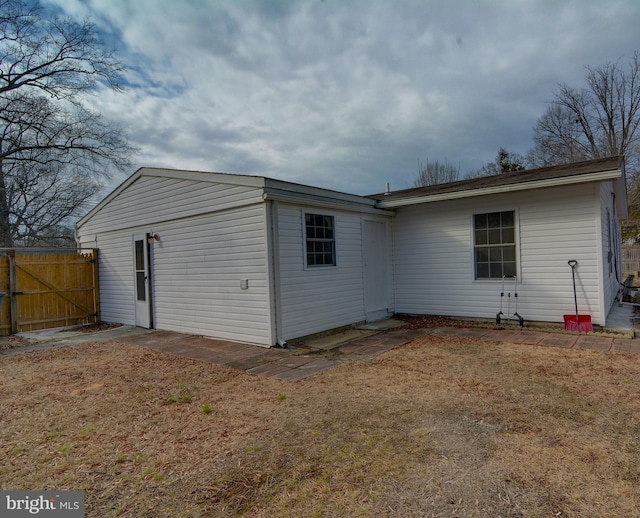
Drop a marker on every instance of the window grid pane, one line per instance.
(494, 244)
(320, 242)
(139, 255)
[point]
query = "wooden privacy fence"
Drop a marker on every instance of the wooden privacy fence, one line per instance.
(41, 290)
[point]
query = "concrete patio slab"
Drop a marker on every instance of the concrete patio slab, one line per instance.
(248, 362)
(379, 343)
(308, 369)
(326, 351)
(372, 349)
(501, 335)
(445, 331)
(329, 341)
(622, 345)
(473, 332)
(559, 340)
(527, 337)
(284, 369)
(625, 345)
(382, 325)
(269, 369)
(294, 362)
(595, 343)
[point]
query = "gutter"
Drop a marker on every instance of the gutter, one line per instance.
(499, 189)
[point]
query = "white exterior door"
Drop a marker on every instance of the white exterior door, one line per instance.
(142, 280)
(376, 269)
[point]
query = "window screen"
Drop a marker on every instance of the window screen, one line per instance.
(495, 245)
(140, 271)
(320, 240)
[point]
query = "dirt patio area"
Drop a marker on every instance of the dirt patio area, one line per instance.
(445, 425)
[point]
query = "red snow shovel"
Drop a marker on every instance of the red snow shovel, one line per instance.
(576, 322)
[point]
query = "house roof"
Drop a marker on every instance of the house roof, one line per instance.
(611, 168)
(271, 189)
(601, 169)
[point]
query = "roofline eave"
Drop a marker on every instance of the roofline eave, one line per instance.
(499, 189)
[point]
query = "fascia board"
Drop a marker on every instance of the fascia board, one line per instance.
(295, 189)
(327, 202)
(536, 184)
(200, 176)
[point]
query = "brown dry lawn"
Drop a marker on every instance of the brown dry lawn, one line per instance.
(440, 427)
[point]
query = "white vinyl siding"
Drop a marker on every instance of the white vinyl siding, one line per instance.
(151, 200)
(212, 237)
(433, 255)
(317, 299)
(115, 271)
(198, 271)
(231, 257)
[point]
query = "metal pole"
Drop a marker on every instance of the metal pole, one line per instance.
(12, 292)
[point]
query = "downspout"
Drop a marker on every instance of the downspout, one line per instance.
(274, 255)
(615, 242)
(601, 274)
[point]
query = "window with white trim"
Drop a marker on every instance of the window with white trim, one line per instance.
(495, 245)
(320, 240)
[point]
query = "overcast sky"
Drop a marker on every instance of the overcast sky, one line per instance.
(346, 94)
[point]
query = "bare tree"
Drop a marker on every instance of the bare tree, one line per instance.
(45, 200)
(599, 120)
(54, 149)
(556, 139)
(436, 172)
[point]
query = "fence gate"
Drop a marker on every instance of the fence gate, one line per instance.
(41, 290)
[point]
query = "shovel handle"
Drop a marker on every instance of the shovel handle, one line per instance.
(573, 263)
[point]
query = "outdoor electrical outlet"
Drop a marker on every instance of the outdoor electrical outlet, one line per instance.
(244, 284)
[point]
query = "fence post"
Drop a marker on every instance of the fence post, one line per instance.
(12, 292)
(96, 283)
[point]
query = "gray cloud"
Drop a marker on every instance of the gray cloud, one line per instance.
(346, 94)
